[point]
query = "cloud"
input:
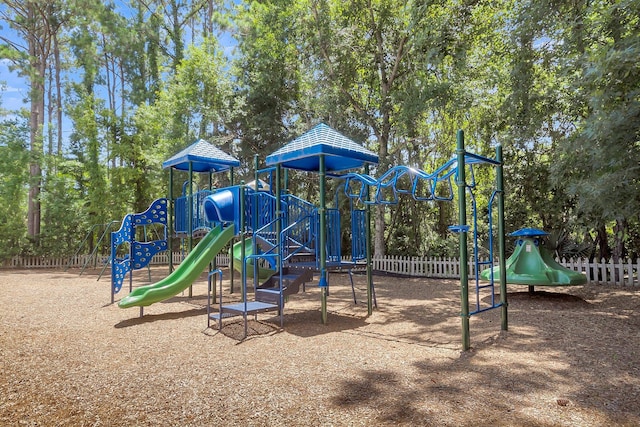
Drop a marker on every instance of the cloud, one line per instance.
(9, 89)
(10, 82)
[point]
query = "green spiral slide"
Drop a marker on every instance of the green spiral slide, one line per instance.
(186, 273)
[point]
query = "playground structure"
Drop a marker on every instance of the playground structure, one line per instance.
(140, 252)
(533, 264)
(189, 222)
(284, 240)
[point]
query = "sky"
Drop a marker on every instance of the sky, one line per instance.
(14, 91)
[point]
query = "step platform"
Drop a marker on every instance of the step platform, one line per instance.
(240, 309)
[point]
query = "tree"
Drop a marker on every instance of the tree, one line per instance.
(14, 175)
(389, 65)
(267, 71)
(599, 161)
(35, 22)
(194, 104)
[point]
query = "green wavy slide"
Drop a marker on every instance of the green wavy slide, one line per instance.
(186, 273)
(263, 272)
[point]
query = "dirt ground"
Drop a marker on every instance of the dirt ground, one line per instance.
(571, 357)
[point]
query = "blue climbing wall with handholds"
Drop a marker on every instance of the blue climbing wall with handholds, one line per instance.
(140, 253)
(120, 266)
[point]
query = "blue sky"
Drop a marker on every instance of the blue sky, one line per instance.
(14, 91)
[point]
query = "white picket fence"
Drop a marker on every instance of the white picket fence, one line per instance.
(88, 261)
(624, 273)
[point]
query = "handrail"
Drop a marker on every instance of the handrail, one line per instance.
(284, 235)
(295, 208)
(259, 208)
(260, 233)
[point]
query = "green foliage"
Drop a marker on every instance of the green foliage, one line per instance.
(194, 104)
(14, 175)
(65, 220)
(599, 161)
(268, 74)
(556, 83)
(566, 247)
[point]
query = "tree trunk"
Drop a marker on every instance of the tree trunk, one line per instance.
(36, 123)
(604, 252)
(619, 231)
(379, 246)
(56, 54)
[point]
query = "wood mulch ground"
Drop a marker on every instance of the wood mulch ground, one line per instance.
(68, 357)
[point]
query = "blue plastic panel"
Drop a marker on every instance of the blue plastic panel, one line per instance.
(529, 232)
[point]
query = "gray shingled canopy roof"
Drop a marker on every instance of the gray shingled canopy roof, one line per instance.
(340, 152)
(203, 157)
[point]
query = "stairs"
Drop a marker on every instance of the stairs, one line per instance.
(292, 278)
(267, 296)
(277, 248)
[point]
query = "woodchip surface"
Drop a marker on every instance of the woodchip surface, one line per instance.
(68, 357)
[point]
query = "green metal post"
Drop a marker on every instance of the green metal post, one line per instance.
(462, 222)
(323, 241)
(501, 243)
(367, 216)
(190, 220)
(170, 221)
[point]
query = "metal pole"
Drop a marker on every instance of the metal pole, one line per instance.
(231, 269)
(279, 213)
(242, 248)
(323, 241)
(368, 249)
(255, 211)
(214, 262)
(280, 243)
(132, 239)
(462, 222)
(501, 243)
(190, 219)
(170, 221)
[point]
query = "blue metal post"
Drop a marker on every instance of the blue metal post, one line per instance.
(170, 213)
(368, 249)
(190, 219)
